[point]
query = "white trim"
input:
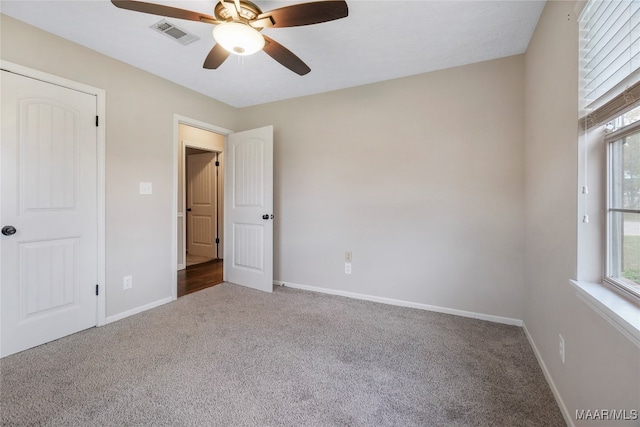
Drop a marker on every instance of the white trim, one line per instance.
(182, 220)
(620, 312)
(102, 206)
(556, 393)
(101, 110)
(137, 310)
(177, 118)
(200, 146)
(177, 147)
(401, 303)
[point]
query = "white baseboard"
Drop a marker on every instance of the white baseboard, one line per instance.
(563, 408)
(390, 301)
(137, 310)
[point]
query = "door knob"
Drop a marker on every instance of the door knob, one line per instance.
(265, 216)
(9, 230)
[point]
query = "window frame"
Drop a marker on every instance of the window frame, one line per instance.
(609, 140)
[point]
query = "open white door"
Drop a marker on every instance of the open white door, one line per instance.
(248, 207)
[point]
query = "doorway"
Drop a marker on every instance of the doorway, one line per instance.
(202, 205)
(248, 203)
(200, 209)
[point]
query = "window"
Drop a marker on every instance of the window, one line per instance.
(623, 202)
(609, 59)
(609, 51)
(610, 88)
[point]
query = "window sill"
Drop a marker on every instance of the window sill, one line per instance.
(619, 311)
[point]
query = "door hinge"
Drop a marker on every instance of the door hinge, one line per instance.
(217, 163)
(96, 121)
(217, 240)
(97, 292)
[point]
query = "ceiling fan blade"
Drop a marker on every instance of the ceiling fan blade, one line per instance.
(307, 13)
(285, 56)
(158, 9)
(216, 57)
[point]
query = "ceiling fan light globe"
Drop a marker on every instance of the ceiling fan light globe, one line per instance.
(238, 38)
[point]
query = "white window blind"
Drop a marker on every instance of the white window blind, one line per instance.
(609, 52)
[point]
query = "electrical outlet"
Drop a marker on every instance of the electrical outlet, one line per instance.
(146, 188)
(127, 282)
(347, 268)
(347, 256)
(561, 348)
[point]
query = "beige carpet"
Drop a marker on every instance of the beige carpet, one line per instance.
(231, 356)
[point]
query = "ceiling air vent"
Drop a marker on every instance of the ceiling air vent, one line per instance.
(170, 30)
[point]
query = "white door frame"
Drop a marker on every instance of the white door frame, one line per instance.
(100, 95)
(178, 156)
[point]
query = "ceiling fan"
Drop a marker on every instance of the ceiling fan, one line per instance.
(239, 22)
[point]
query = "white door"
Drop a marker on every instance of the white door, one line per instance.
(48, 182)
(201, 200)
(248, 258)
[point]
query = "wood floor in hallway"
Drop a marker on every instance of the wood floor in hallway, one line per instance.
(199, 276)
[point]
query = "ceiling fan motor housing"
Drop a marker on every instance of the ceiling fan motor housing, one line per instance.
(248, 12)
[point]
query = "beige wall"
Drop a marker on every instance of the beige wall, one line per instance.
(139, 147)
(420, 177)
(602, 367)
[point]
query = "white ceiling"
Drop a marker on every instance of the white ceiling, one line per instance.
(379, 40)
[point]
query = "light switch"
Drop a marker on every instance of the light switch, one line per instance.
(146, 188)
